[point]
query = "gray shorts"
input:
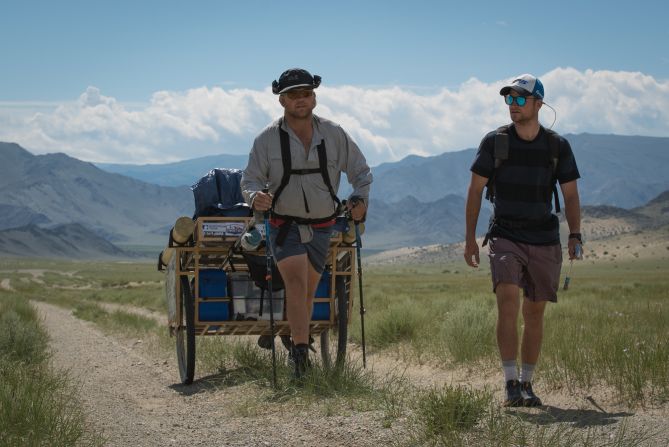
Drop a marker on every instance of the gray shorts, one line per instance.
(316, 249)
(534, 268)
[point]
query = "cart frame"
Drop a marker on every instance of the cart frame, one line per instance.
(215, 246)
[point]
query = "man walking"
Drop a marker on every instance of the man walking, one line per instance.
(520, 165)
(299, 158)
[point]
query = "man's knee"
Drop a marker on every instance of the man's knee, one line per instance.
(533, 311)
(507, 300)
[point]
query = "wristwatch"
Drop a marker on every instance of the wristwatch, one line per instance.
(576, 236)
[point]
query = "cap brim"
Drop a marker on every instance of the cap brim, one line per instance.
(515, 88)
(293, 87)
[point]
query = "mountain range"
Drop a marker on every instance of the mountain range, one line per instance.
(62, 241)
(415, 201)
(182, 173)
(643, 229)
(55, 189)
(623, 171)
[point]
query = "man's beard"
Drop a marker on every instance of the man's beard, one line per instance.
(300, 114)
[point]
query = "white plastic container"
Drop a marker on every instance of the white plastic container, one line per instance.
(246, 299)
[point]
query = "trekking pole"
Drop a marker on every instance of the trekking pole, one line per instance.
(358, 246)
(268, 278)
(577, 255)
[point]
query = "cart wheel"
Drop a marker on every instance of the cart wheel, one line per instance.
(185, 334)
(341, 329)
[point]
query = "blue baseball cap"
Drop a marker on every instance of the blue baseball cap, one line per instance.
(525, 85)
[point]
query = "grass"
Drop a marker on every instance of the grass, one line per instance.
(616, 332)
(459, 416)
(611, 329)
(443, 413)
(66, 282)
(117, 321)
(241, 362)
(38, 405)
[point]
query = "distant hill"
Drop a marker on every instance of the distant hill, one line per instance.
(409, 222)
(183, 173)
(71, 241)
(615, 170)
(609, 233)
(623, 171)
(57, 189)
(599, 222)
(19, 216)
(416, 201)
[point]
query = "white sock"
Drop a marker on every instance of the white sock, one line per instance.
(526, 372)
(510, 370)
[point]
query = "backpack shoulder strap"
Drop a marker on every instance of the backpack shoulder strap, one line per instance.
(500, 153)
(554, 151)
(287, 162)
(323, 166)
(554, 147)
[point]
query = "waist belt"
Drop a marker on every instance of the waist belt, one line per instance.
(284, 223)
(511, 224)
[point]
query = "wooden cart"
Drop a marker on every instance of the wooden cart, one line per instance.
(214, 264)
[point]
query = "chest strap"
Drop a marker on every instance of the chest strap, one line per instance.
(288, 171)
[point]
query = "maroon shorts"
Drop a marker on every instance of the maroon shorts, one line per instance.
(534, 268)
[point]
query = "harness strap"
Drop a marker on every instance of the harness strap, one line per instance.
(285, 179)
(323, 164)
(287, 162)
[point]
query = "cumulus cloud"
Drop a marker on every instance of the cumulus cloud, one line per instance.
(388, 123)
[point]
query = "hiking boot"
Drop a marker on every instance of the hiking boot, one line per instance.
(300, 357)
(513, 395)
(529, 398)
(287, 342)
(265, 341)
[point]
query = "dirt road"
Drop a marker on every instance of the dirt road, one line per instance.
(134, 398)
(137, 401)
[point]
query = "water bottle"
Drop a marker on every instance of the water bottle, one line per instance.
(251, 239)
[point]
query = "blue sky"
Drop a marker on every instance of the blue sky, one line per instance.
(140, 60)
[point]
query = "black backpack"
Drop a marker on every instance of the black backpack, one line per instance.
(501, 153)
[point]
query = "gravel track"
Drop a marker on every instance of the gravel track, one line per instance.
(135, 400)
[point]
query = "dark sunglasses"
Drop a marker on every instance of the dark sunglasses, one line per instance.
(297, 94)
(520, 100)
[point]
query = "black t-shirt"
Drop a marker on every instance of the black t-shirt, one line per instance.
(523, 185)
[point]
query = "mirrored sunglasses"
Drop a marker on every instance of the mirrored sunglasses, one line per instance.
(520, 100)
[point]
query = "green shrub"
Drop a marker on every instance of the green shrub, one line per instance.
(38, 406)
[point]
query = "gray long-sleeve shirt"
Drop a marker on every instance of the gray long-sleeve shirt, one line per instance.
(343, 155)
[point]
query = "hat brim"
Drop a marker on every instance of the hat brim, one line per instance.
(521, 91)
(293, 87)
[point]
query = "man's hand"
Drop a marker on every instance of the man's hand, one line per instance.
(262, 201)
(357, 209)
(472, 254)
(575, 249)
